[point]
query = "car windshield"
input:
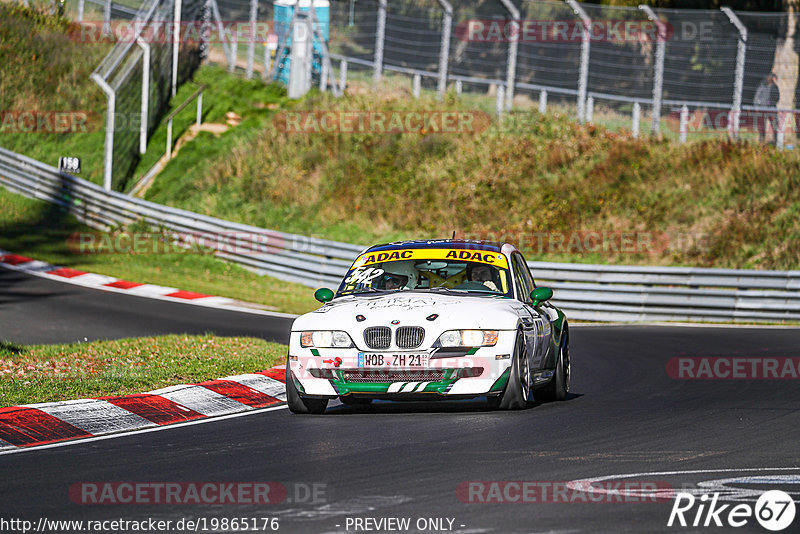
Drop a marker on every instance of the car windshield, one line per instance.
(447, 270)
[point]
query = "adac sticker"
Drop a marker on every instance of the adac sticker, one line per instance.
(480, 256)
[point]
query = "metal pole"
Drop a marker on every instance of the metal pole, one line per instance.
(542, 102)
(416, 85)
(583, 78)
(380, 37)
(176, 46)
(251, 45)
(684, 123)
(108, 159)
(169, 139)
(323, 79)
(637, 113)
(80, 10)
(145, 93)
(513, 47)
(106, 18)
(444, 49)
(199, 118)
(220, 29)
(589, 109)
(499, 103)
(738, 81)
(658, 68)
(343, 74)
(781, 131)
(459, 87)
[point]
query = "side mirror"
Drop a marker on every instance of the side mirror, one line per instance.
(323, 295)
(541, 294)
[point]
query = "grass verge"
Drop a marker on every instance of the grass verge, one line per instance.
(40, 230)
(42, 373)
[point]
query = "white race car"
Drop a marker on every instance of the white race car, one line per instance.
(434, 319)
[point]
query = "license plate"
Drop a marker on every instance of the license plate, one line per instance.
(367, 359)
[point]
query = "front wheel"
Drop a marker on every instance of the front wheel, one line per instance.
(517, 393)
(299, 404)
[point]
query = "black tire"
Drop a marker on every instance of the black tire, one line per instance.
(355, 401)
(299, 404)
(558, 387)
(517, 393)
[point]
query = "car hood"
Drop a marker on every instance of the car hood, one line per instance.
(412, 308)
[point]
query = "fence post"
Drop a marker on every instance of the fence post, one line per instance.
(343, 74)
(176, 46)
(108, 157)
(444, 49)
(684, 123)
(199, 118)
(500, 102)
(220, 30)
(658, 68)
(80, 10)
(106, 18)
(145, 93)
(589, 109)
(416, 84)
(583, 79)
(251, 45)
(738, 81)
(380, 37)
(513, 48)
(323, 79)
(169, 139)
(637, 113)
(542, 101)
(780, 133)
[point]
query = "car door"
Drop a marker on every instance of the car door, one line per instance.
(531, 321)
(546, 314)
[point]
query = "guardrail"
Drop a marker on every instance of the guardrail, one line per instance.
(586, 292)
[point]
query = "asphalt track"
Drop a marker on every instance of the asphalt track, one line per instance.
(625, 416)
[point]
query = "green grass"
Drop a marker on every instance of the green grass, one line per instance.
(44, 69)
(40, 230)
(42, 373)
(713, 202)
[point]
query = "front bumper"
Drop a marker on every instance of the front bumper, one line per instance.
(467, 372)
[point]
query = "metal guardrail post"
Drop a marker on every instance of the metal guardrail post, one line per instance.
(380, 38)
(658, 68)
(176, 45)
(444, 49)
(459, 87)
(80, 10)
(513, 49)
(583, 78)
(108, 157)
(637, 111)
(684, 127)
(199, 117)
(738, 81)
(780, 133)
(145, 109)
(543, 102)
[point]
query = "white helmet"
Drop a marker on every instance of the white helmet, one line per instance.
(404, 269)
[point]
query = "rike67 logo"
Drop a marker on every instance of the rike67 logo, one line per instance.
(774, 510)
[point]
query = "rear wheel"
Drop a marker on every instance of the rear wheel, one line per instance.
(299, 404)
(517, 392)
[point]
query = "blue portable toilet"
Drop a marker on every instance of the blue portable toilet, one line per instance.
(282, 18)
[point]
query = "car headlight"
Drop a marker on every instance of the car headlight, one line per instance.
(467, 338)
(326, 339)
